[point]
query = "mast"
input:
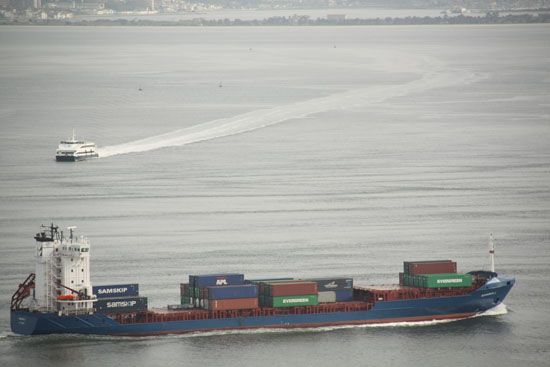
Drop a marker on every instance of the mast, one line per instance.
(492, 252)
(73, 136)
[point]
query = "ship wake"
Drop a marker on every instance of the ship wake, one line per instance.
(434, 75)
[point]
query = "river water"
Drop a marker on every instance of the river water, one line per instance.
(282, 151)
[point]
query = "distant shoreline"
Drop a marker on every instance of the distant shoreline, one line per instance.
(295, 21)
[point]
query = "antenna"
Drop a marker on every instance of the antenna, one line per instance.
(71, 228)
(492, 252)
(73, 135)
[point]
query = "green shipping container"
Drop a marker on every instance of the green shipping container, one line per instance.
(445, 280)
(291, 301)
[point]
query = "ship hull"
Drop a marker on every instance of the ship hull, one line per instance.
(72, 158)
(413, 310)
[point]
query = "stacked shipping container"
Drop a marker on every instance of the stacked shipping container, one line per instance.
(185, 295)
(433, 274)
(230, 297)
(277, 292)
(334, 289)
(196, 282)
(429, 267)
(219, 292)
(288, 293)
(119, 298)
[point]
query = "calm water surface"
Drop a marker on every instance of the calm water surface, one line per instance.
(381, 144)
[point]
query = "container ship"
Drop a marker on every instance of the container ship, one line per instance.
(59, 297)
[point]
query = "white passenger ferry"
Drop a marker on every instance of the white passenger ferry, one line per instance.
(75, 150)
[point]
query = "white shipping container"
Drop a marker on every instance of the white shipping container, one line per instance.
(326, 297)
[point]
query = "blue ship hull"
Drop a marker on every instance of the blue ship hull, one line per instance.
(441, 308)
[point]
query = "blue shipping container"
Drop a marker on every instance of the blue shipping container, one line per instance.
(116, 290)
(333, 284)
(344, 296)
(200, 281)
(256, 281)
(121, 304)
(233, 291)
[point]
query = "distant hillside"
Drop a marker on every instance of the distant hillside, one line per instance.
(470, 4)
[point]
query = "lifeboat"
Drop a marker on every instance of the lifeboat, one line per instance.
(66, 297)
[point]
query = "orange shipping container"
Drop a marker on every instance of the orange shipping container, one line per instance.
(232, 304)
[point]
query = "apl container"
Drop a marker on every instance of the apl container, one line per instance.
(232, 291)
(206, 280)
(291, 289)
(116, 290)
(332, 284)
(121, 304)
(292, 301)
(326, 297)
(232, 304)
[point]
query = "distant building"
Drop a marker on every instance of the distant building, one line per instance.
(336, 17)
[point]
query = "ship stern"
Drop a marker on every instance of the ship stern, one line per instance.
(23, 322)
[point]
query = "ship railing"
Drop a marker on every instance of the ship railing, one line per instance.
(200, 314)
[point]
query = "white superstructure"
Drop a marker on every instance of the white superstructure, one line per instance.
(71, 150)
(62, 282)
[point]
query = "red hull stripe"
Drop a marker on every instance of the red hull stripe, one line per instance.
(317, 325)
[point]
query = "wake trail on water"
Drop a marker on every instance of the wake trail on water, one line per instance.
(433, 76)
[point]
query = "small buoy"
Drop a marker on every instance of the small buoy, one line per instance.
(220, 85)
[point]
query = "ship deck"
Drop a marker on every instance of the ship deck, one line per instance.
(364, 300)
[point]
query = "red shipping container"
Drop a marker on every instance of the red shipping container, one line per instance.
(292, 289)
(432, 268)
(232, 304)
